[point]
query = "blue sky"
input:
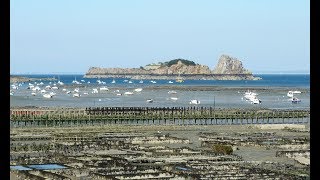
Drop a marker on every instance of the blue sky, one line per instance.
(69, 36)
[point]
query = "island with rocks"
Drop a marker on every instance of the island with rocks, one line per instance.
(228, 68)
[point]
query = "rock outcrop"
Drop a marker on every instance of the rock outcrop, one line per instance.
(229, 65)
(228, 68)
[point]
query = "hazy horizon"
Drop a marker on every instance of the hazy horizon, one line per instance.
(72, 36)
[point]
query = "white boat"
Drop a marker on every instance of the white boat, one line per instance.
(43, 91)
(33, 94)
(249, 95)
(11, 93)
(113, 81)
(174, 98)
(149, 100)
(291, 93)
(154, 82)
(60, 83)
(130, 82)
(172, 92)
(52, 93)
(138, 90)
(140, 81)
(76, 90)
(194, 101)
(103, 88)
(170, 82)
(47, 96)
(119, 94)
(64, 89)
(94, 91)
(55, 87)
(76, 95)
(255, 101)
(82, 80)
(85, 93)
(128, 93)
(68, 92)
(48, 87)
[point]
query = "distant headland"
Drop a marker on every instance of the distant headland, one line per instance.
(228, 68)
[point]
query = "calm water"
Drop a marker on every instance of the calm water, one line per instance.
(274, 97)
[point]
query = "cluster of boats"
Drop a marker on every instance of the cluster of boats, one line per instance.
(292, 96)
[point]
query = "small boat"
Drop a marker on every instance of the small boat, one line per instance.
(82, 80)
(33, 93)
(43, 91)
(149, 100)
(174, 98)
(172, 92)
(47, 96)
(138, 90)
(295, 100)
(140, 81)
(76, 95)
(249, 95)
(55, 87)
(291, 93)
(68, 92)
(104, 88)
(194, 101)
(85, 93)
(64, 89)
(153, 82)
(119, 94)
(128, 93)
(113, 81)
(170, 82)
(130, 82)
(94, 91)
(76, 90)
(60, 83)
(48, 87)
(11, 93)
(255, 101)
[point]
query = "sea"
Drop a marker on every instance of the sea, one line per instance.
(272, 90)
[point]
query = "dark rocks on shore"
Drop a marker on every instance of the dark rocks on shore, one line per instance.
(18, 79)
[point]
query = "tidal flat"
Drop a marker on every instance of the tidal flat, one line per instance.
(263, 151)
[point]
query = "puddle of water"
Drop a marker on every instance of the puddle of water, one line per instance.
(20, 168)
(46, 166)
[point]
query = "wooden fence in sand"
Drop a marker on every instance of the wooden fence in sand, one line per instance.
(154, 116)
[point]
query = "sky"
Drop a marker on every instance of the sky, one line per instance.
(70, 36)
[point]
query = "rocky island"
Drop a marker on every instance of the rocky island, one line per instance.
(228, 68)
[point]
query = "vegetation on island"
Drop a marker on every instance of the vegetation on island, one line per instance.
(175, 61)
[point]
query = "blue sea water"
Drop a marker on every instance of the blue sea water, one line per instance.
(269, 80)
